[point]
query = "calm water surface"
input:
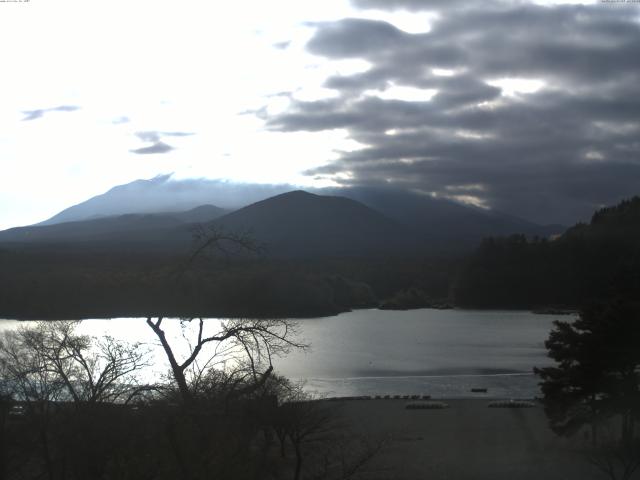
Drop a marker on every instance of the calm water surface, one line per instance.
(443, 353)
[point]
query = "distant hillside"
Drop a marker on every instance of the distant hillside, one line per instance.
(301, 224)
(443, 224)
(589, 261)
(158, 230)
(621, 221)
(200, 214)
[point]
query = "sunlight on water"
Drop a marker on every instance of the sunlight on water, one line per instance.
(443, 353)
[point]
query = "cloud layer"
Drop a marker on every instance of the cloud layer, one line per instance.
(157, 145)
(536, 110)
(39, 113)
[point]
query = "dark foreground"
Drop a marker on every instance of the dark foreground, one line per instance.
(324, 440)
(468, 440)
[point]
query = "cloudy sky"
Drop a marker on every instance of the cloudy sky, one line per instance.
(531, 108)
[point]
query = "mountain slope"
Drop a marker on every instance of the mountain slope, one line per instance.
(444, 224)
(162, 194)
(441, 224)
(201, 214)
(294, 224)
(301, 224)
(153, 230)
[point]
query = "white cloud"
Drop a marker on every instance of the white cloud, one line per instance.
(513, 86)
(403, 93)
(443, 72)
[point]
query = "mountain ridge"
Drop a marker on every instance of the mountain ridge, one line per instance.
(293, 224)
(162, 194)
(443, 224)
(300, 223)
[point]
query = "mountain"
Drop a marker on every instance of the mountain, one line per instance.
(302, 224)
(441, 224)
(201, 214)
(162, 194)
(294, 224)
(335, 250)
(445, 225)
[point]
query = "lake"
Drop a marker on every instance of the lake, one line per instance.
(443, 353)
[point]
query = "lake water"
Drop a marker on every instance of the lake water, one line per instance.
(443, 353)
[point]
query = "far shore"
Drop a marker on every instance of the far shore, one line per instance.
(320, 314)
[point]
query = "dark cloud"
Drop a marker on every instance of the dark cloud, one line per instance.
(120, 120)
(352, 38)
(35, 114)
(32, 114)
(148, 136)
(155, 137)
(552, 155)
(282, 45)
(158, 147)
(176, 134)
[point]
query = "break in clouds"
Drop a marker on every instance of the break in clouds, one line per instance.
(550, 149)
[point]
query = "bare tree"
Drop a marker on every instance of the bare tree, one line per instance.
(211, 240)
(248, 344)
(324, 447)
(25, 371)
(90, 370)
(49, 364)
(25, 377)
(616, 457)
(305, 422)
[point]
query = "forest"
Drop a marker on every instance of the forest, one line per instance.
(44, 284)
(590, 261)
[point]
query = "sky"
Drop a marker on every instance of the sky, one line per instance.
(530, 108)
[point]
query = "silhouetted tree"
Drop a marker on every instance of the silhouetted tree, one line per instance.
(597, 375)
(249, 344)
(67, 384)
(323, 447)
(239, 342)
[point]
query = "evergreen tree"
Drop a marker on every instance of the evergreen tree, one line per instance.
(597, 372)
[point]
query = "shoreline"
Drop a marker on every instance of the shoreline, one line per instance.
(521, 385)
(425, 398)
(309, 316)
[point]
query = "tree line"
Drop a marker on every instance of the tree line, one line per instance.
(589, 261)
(60, 284)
